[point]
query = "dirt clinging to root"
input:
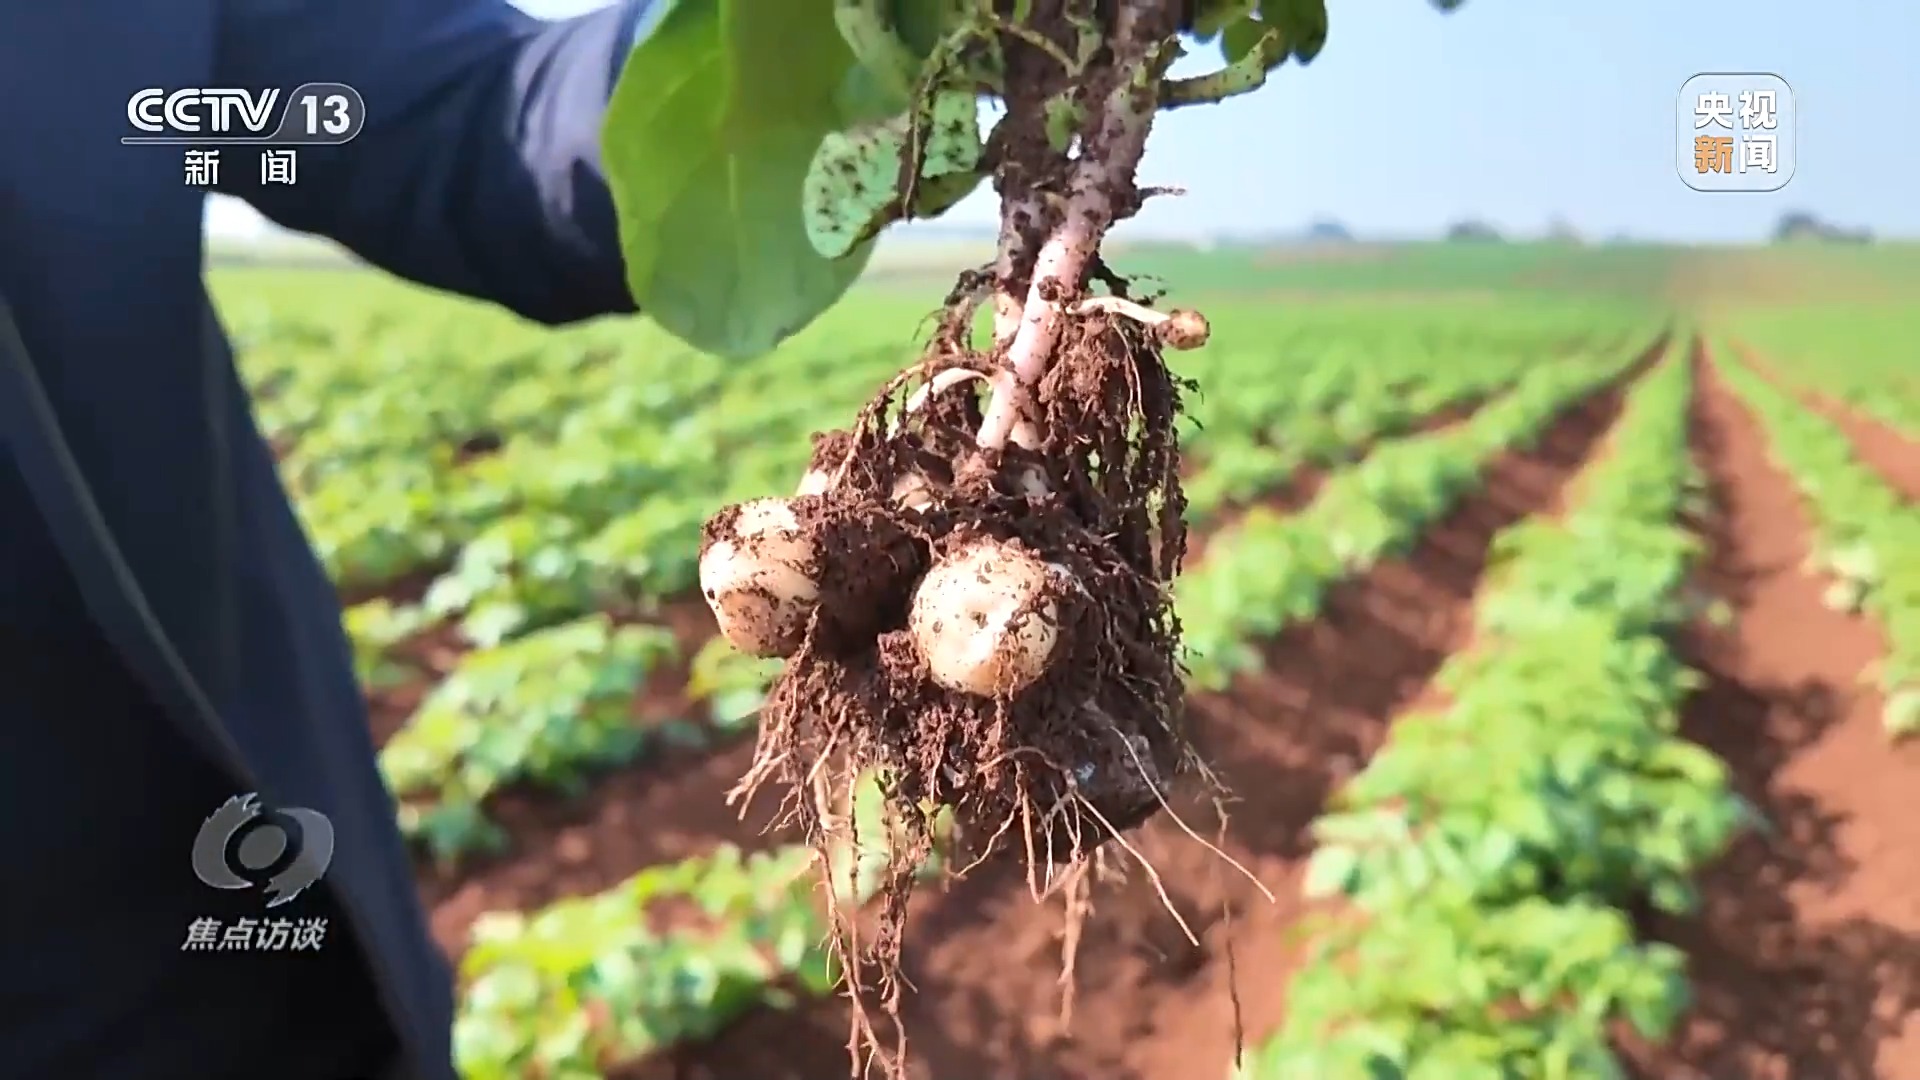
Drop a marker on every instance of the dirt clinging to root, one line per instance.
(1072, 542)
(981, 624)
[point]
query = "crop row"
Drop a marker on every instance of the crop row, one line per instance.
(592, 981)
(1860, 354)
(1483, 857)
(549, 710)
(1269, 570)
(1256, 426)
(1866, 539)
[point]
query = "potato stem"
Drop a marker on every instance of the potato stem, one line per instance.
(1102, 177)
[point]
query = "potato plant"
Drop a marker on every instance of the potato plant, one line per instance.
(971, 586)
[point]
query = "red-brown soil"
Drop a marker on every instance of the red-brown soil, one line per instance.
(1890, 453)
(1806, 955)
(983, 956)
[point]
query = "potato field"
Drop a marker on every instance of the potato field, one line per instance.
(1553, 618)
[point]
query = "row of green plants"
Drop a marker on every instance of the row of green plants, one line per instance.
(1386, 375)
(1268, 570)
(1858, 353)
(1479, 870)
(590, 982)
(671, 955)
(1866, 541)
(551, 711)
(541, 710)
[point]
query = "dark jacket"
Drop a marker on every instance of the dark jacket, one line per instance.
(144, 533)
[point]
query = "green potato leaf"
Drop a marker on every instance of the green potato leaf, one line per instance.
(706, 143)
(853, 188)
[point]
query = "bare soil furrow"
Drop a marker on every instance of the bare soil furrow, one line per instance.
(1805, 958)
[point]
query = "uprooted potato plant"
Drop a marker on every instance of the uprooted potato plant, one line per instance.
(971, 585)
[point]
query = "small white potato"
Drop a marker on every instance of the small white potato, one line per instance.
(759, 580)
(984, 619)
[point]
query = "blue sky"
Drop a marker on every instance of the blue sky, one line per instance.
(1517, 111)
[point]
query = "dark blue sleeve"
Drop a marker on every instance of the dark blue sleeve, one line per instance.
(478, 170)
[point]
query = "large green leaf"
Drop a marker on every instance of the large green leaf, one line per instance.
(706, 142)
